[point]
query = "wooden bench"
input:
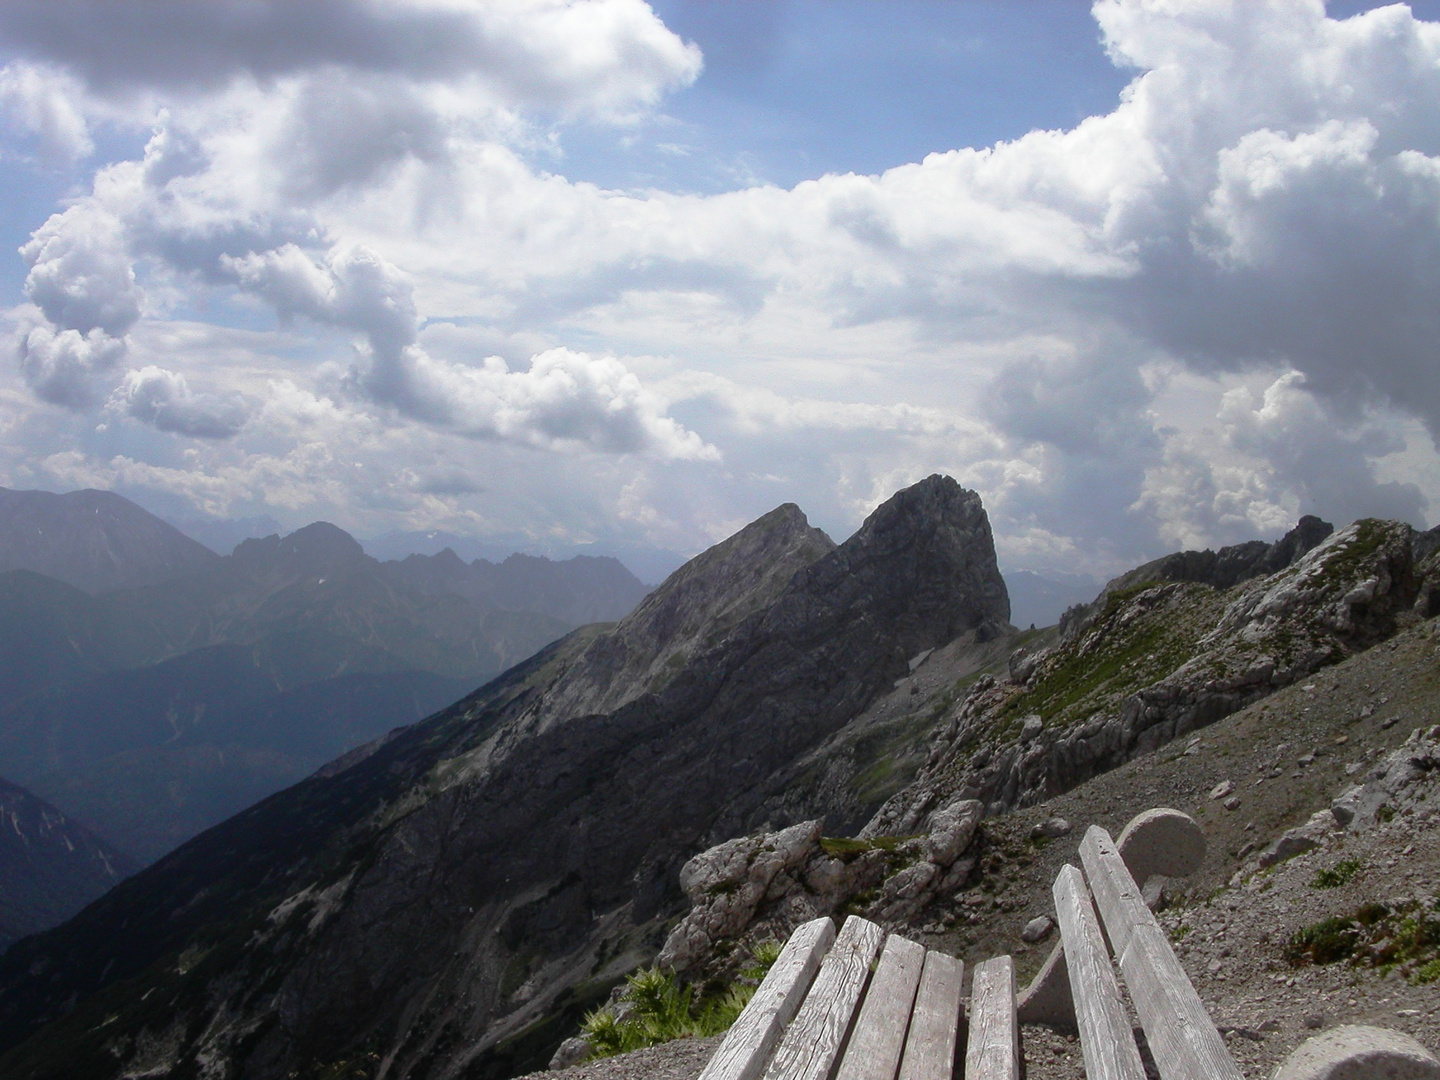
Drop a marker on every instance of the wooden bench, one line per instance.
(829, 1010)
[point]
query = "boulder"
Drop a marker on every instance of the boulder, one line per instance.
(1050, 828)
(1037, 929)
(951, 829)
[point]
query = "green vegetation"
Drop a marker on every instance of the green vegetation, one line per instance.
(1144, 633)
(1342, 873)
(847, 847)
(1376, 936)
(656, 1009)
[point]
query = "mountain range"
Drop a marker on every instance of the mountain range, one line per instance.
(152, 688)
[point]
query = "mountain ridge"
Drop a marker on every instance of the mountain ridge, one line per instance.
(539, 828)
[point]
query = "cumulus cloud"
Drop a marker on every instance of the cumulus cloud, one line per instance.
(81, 275)
(164, 400)
(1265, 459)
(565, 399)
(62, 366)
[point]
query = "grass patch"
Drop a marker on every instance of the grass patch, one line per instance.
(1375, 936)
(847, 847)
(1342, 873)
(655, 1008)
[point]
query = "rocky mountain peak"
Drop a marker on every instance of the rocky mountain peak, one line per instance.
(930, 544)
(318, 548)
(691, 611)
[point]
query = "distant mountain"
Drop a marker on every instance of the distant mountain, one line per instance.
(156, 711)
(94, 540)
(581, 590)
(1039, 599)
(649, 564)
(50, 866)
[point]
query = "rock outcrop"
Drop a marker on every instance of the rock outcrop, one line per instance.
(760, 887)
(1153, 662)
(455, 899)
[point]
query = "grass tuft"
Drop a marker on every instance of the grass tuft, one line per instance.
(655, 1008)
(1342, 873)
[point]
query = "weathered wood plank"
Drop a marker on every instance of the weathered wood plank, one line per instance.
(878, 1039)
(1117, 897)
(1182, 1037)
(809, 1046)
(752, 1038)
(935, 1023)
(1105, 1037)
(993, 1052)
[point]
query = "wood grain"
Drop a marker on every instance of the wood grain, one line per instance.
(1182, 1037)
(753, 1037)
(1105, 1037)
(813, 1040)
(935, 1021)
(993, 1052)
(876, 1043)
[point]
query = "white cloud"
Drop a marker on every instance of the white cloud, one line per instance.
(1265, 198)
(46, 103)
(62, 366)
(164, 400)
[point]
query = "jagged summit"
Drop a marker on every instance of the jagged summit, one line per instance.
(1221, 569)
(317, 548)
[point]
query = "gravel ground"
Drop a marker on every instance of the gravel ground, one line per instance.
(1231, 936)
(683, 1059)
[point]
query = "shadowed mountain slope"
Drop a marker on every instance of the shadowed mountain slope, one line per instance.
(50, 865)
(491, 870)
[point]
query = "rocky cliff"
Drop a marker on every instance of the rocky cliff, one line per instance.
(453, 898)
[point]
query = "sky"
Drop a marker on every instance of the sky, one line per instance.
(605, 276)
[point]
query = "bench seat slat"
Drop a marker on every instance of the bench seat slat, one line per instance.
(873, 1052)
(751, 1039)
(809, 1046)
(1181, 1035)
(993, 1052)
(1105, 1036)
(935, 1023)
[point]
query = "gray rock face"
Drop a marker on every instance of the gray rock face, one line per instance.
(1394, 784)
(486, 861)
(690, 613)
(1221, 569)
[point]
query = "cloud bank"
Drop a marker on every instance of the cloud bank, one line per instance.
(1187, 320)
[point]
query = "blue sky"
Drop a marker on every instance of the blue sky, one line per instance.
(602, 275)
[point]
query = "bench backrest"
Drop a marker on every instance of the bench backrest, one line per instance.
(1182, 1037)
